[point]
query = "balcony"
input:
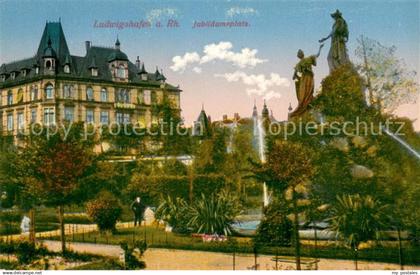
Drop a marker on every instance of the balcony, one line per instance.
(122, 105)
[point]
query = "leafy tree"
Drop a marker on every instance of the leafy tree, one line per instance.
(289, 165)
(54, 165)
(357, 219)
(389, 82)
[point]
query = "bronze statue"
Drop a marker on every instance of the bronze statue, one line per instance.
(304, 81)
(339, 36)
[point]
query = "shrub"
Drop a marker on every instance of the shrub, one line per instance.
(131, 261)
(215, 214)
(104, 211)
(275, 228)
(176, 213)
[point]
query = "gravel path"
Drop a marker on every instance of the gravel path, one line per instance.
(172, 259)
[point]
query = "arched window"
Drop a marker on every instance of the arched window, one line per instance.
(89, 93)
(67, 69)
(49, 91)
(104, 95)
(48, 64)
(121, 71)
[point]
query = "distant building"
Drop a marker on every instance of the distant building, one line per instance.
(99, 88)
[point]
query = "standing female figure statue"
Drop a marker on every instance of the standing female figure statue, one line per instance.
(304, 81)
(339, 36)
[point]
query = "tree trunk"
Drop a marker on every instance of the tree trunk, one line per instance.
(32, 225)
(191, 185)
(316, 246)
(355, 257)
(400, 252)
(62, 233)
(296, 230)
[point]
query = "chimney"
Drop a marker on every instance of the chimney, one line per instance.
(87, 44)
(138, 63)
(236, 116)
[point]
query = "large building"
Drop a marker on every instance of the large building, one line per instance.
(101, 87)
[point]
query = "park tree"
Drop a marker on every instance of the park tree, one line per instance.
(55, 165)
(388, 81)
(357, 219)
(289, 165)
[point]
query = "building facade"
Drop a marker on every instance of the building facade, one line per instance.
(100, 88)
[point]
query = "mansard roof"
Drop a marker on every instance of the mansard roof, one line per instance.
(53, 42)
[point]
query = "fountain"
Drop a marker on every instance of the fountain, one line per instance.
(260, 134)
(402, 142)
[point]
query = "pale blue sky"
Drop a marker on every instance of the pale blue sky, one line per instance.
(277, 29)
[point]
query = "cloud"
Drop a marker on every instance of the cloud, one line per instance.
(234, 11)
(157, 14)
(197, 70)
(221, 51)
(181, 62)
(258, 84)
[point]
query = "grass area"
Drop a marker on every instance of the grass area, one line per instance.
(158, 238)
(46, 218)
(103, 264)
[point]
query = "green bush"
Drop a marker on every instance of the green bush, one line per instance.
(104, 211)
(275, 228)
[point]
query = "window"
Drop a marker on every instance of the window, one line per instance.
(34, 93)
(20, 121)
(9, 97)
(89, 116)
(33, 116)
(13, 75)
(104, 117)
(49, 116)
(36, 70)
(67, 69)
(123, 118)
(123, 96)
(147, 97)
(10, 122)
(68, 91)
(104, 95)
(121, 71)
(69, 114)
(24, 72)
(48, 64)
(89, 93)
(20, 96)
(49, 91)
(94, 72)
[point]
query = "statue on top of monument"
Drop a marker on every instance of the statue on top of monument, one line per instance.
(339, 36)
(304, 81)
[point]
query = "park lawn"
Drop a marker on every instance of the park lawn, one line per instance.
(156, 237)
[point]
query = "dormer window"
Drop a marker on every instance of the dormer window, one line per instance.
(121, 71)
(94, 72)
(3, 77)
(36, 70)
(24, 72)
(13, 75)
(66, 69)
(144, 77)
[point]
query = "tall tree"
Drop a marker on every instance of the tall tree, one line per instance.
(389, 82)
(290, 167)
(57, 163)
